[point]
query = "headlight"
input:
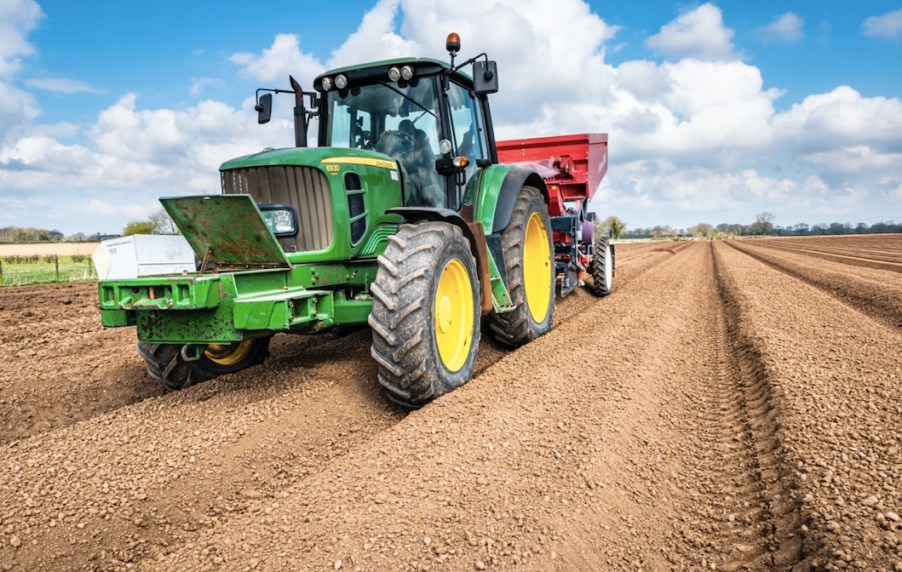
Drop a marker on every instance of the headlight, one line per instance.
(281, 220)
(407, 72)
(394, 74)
(341, 82)
(327, 84)
(444, 146)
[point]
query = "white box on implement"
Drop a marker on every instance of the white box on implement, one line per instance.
(143, 255)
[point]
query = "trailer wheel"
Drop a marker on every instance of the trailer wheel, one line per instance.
(529, 268)
(601, 267)
(179, 366)
(426, 311)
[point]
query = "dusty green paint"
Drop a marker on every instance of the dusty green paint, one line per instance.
(232, 306)
(483, 194)
(380, 189)
(501, 299)
(300, 156)
(191, 292)
(116, 318)
(225, 229)
(378, 239)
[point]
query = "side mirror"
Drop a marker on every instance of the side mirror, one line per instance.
(485, 77)
(264, 108)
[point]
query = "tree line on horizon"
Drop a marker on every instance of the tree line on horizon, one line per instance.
(28, 234)
(160, 223)
(762, 226)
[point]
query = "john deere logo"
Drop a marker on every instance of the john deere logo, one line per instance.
(368, 161)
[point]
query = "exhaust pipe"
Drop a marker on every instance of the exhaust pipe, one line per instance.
(300, 114)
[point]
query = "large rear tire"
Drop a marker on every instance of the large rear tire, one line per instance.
(601, 267)
(529, 269)
(178, 366)
(426, 311)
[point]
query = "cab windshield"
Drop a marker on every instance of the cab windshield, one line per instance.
(399, 120)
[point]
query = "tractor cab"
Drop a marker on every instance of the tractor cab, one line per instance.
(400, 119)
(422, 113)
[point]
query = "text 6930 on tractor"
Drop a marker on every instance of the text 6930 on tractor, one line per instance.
(409, 216)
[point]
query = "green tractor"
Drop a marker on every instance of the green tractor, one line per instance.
(402, 218)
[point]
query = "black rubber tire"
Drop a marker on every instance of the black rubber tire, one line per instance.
(602, 256)
(516, 328)
(403, 314)
(168, 364)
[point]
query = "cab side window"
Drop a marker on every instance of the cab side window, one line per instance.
(468, 127)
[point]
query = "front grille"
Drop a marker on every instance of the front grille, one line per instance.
(304, 188)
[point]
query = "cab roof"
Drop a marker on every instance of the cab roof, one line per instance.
(367, 72)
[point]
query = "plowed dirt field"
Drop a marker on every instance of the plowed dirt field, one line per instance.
(731, 405)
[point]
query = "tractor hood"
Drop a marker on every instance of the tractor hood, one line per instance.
(226, 231)
(317, 157)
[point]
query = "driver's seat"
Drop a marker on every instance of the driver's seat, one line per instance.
(411, 148)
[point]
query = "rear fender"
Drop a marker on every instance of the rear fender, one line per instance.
(496, 192)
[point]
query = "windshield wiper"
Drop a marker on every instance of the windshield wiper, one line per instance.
(407, 97)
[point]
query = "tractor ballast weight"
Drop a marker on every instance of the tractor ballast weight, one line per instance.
(408, 216)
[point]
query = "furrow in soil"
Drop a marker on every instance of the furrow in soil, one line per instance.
(832, 392)
(872, 292)
(768, 534)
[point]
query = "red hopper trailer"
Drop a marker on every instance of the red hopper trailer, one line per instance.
(572, 166)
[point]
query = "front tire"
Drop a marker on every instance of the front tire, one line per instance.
(529, 269)
(426, 311)
(178, 366)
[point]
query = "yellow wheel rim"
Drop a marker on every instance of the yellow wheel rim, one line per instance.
(228, 354)
(453, 309)
(537, 268)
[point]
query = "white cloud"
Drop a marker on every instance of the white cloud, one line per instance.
(785, 28)
(887, 25)
(643, 79)
(505, 29)
(128, 211)
(168, 137)
(198, 84)
(855, 160)
(697, 33)
(694, 137)
(17, 108)
(17, 19)
(700, 111)
(894, 187)
(838, 119)
(539, 59)
(276, 62)
(36, 150)
(61, 85)
(375, 35)
(132, 157)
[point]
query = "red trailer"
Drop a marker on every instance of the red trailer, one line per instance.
(573, 167)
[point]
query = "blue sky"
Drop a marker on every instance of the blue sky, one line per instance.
(716, 111)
